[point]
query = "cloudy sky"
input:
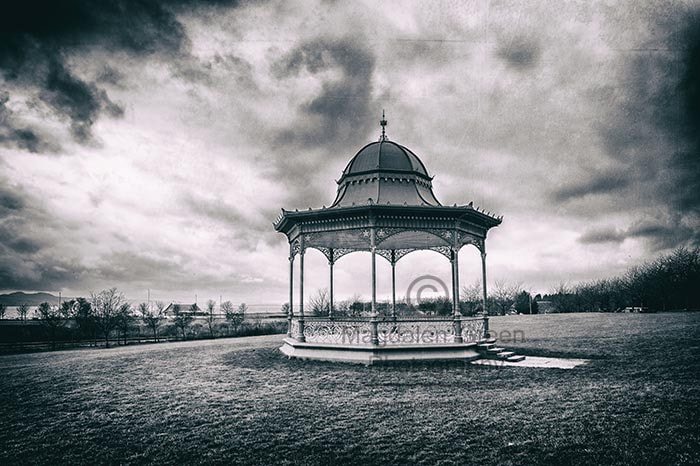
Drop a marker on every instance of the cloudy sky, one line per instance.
(150, 144)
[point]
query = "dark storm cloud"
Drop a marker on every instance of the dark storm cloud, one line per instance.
(343, 108)
(111, 76)
(139, 269)
(333, 121)
(653, 128)
(244, 230)
(38, 273)
(37, 37)
(661, 233)
(606, 235)
(128, 266)
(76, 99)
(233, 68)
(25, 231)
(216, 209)
(688, 161)
(15, 134)
(651, 131)
(664, 233)
(604, 183)
(520, 53)
(20, 245)
(10, 200)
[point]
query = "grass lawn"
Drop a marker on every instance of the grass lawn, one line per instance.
(240, 401)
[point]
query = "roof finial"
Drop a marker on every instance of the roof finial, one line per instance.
(383, 122)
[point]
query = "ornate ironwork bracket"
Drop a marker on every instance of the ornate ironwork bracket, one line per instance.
(333, 254)
(466, 239)
(393, 255)
(295, 247)
(444, 250)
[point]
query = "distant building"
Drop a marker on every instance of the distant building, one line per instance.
(191, 309)
(545, 307)
(635, 309)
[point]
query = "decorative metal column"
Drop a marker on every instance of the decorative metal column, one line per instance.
(290, 315)
(457, 290)
(457, 317)
(485, 298)
(374, 317)
(301, 337)
(393, 284)
(331, 261)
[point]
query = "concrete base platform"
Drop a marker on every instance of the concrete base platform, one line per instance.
(371, 354)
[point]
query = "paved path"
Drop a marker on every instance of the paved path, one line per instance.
(533, 361)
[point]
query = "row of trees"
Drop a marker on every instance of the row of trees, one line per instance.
(108, 312)
(504, 298)
(22, 311)
(667, 283)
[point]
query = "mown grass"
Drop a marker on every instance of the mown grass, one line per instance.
(239, 401)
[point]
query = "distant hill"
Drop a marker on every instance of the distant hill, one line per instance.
(33, 299)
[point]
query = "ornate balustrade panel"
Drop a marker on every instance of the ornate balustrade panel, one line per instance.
(353, 332)
(472, 330)
(337, 332)
(423, 332)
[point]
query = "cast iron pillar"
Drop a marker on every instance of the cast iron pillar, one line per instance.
(457, 317)
(331, 262)
(485, 297)
(374, 317)
(393, 284)
(301, 337)
(290, 314)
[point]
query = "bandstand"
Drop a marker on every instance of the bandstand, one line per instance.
(385, 205)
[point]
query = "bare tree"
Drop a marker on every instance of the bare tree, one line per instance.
(669, 282)
(182, 320)
(80, 311)
(228, 310)
(357, 305)
(285, 309)
(125, 319)
(53, 317)
(239, 316)
(504, 294)
(106, 306)
(561, 298)
(472, 298)
(22, 311)
(3, 309)
(234, 316)
(320, 303)
(152, 318)
(342, 308)
(211, 306)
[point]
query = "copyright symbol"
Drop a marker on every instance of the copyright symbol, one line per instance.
(424, 283)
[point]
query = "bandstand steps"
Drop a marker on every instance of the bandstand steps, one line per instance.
(489, 350)
(485, 346)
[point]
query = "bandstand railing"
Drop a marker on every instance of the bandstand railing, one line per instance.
(390, 332)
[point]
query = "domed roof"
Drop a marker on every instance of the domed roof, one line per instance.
(385, 155)
(385, 173)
